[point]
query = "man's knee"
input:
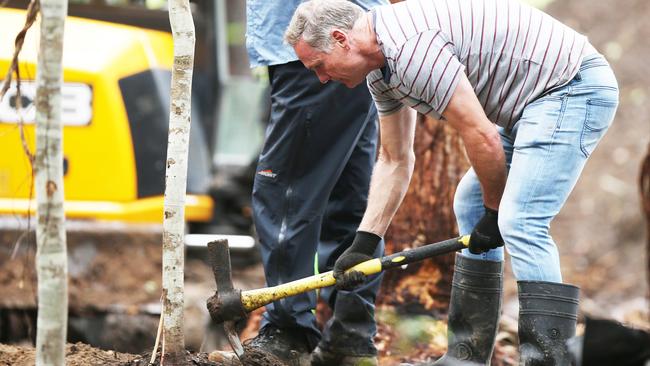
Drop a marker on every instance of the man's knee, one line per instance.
(512, 225)
(468, 208)
(463, 198)
(460, 208)
(520, 230)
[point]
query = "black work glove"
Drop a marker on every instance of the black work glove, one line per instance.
(486, 235)
(361, 250)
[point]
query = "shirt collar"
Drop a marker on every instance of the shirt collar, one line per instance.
(385, 71)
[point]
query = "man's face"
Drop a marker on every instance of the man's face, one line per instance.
(341, 64)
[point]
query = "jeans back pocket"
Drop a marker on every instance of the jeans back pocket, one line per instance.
(599, 116)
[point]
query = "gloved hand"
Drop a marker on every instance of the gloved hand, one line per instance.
(362, 248)
(486, 234)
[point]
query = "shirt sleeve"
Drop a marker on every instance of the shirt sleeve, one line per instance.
(381, 93)
(429, 70)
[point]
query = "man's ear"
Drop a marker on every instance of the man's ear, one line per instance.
(340, 38)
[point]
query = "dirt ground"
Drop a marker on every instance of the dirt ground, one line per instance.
(105, 267)
(114, 288)
(80, 354)
(76, 355)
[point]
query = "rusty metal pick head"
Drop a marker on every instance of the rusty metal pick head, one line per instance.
(226, 303)
(226, 306)
(233, 338)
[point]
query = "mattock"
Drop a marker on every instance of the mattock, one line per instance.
(229, 305)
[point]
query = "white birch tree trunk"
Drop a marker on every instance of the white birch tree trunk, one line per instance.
(182, 26)
(51, 257)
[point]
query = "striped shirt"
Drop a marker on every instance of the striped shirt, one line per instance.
(511, 53)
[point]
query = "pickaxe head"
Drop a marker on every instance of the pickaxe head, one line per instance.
(225, 306)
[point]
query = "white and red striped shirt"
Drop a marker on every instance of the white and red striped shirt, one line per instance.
(511, 53)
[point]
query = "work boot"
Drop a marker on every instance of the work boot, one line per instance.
(289, 345)
(474, 310)
(323, 357)
(547, 319)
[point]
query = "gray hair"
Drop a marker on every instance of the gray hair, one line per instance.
(314, 20)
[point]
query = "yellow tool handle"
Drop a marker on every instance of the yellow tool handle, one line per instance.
(253, 299)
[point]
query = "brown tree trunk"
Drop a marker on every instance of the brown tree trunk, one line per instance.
(644, 183)
(426, 216)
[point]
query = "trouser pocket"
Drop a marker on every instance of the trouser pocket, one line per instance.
(599, 116)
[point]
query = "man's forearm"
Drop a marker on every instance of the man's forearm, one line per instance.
(390, 181)
(486, 155)
(481, 139)
(392, 173)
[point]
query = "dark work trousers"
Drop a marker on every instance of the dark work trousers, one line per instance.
(310, 193)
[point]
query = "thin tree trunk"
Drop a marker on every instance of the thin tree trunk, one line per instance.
(426, 216)
(51, 257)
(182, 25)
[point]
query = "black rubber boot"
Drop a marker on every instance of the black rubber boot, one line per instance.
(547, 319)
(289, 345)
(474, 310)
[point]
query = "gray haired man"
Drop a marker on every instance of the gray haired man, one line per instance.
(530, 98)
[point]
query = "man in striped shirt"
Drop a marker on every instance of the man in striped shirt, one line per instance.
(530, 98)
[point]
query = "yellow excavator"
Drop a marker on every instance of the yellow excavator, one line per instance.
(115, 101)
(113, 111)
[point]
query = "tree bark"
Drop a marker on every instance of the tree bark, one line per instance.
(182, 26)
(51, 256)
(426, 216)
(644, 185)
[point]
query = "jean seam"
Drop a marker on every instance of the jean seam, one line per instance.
(558, 123)
(537, 171)
(591, 66)
(528, 243)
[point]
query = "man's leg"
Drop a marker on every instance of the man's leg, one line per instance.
(306, 149)
(352, 327)
(475, 302)
(553, 140)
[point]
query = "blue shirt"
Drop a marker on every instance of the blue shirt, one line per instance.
(266, 22)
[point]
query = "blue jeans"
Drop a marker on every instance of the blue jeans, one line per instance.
(545, 152)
